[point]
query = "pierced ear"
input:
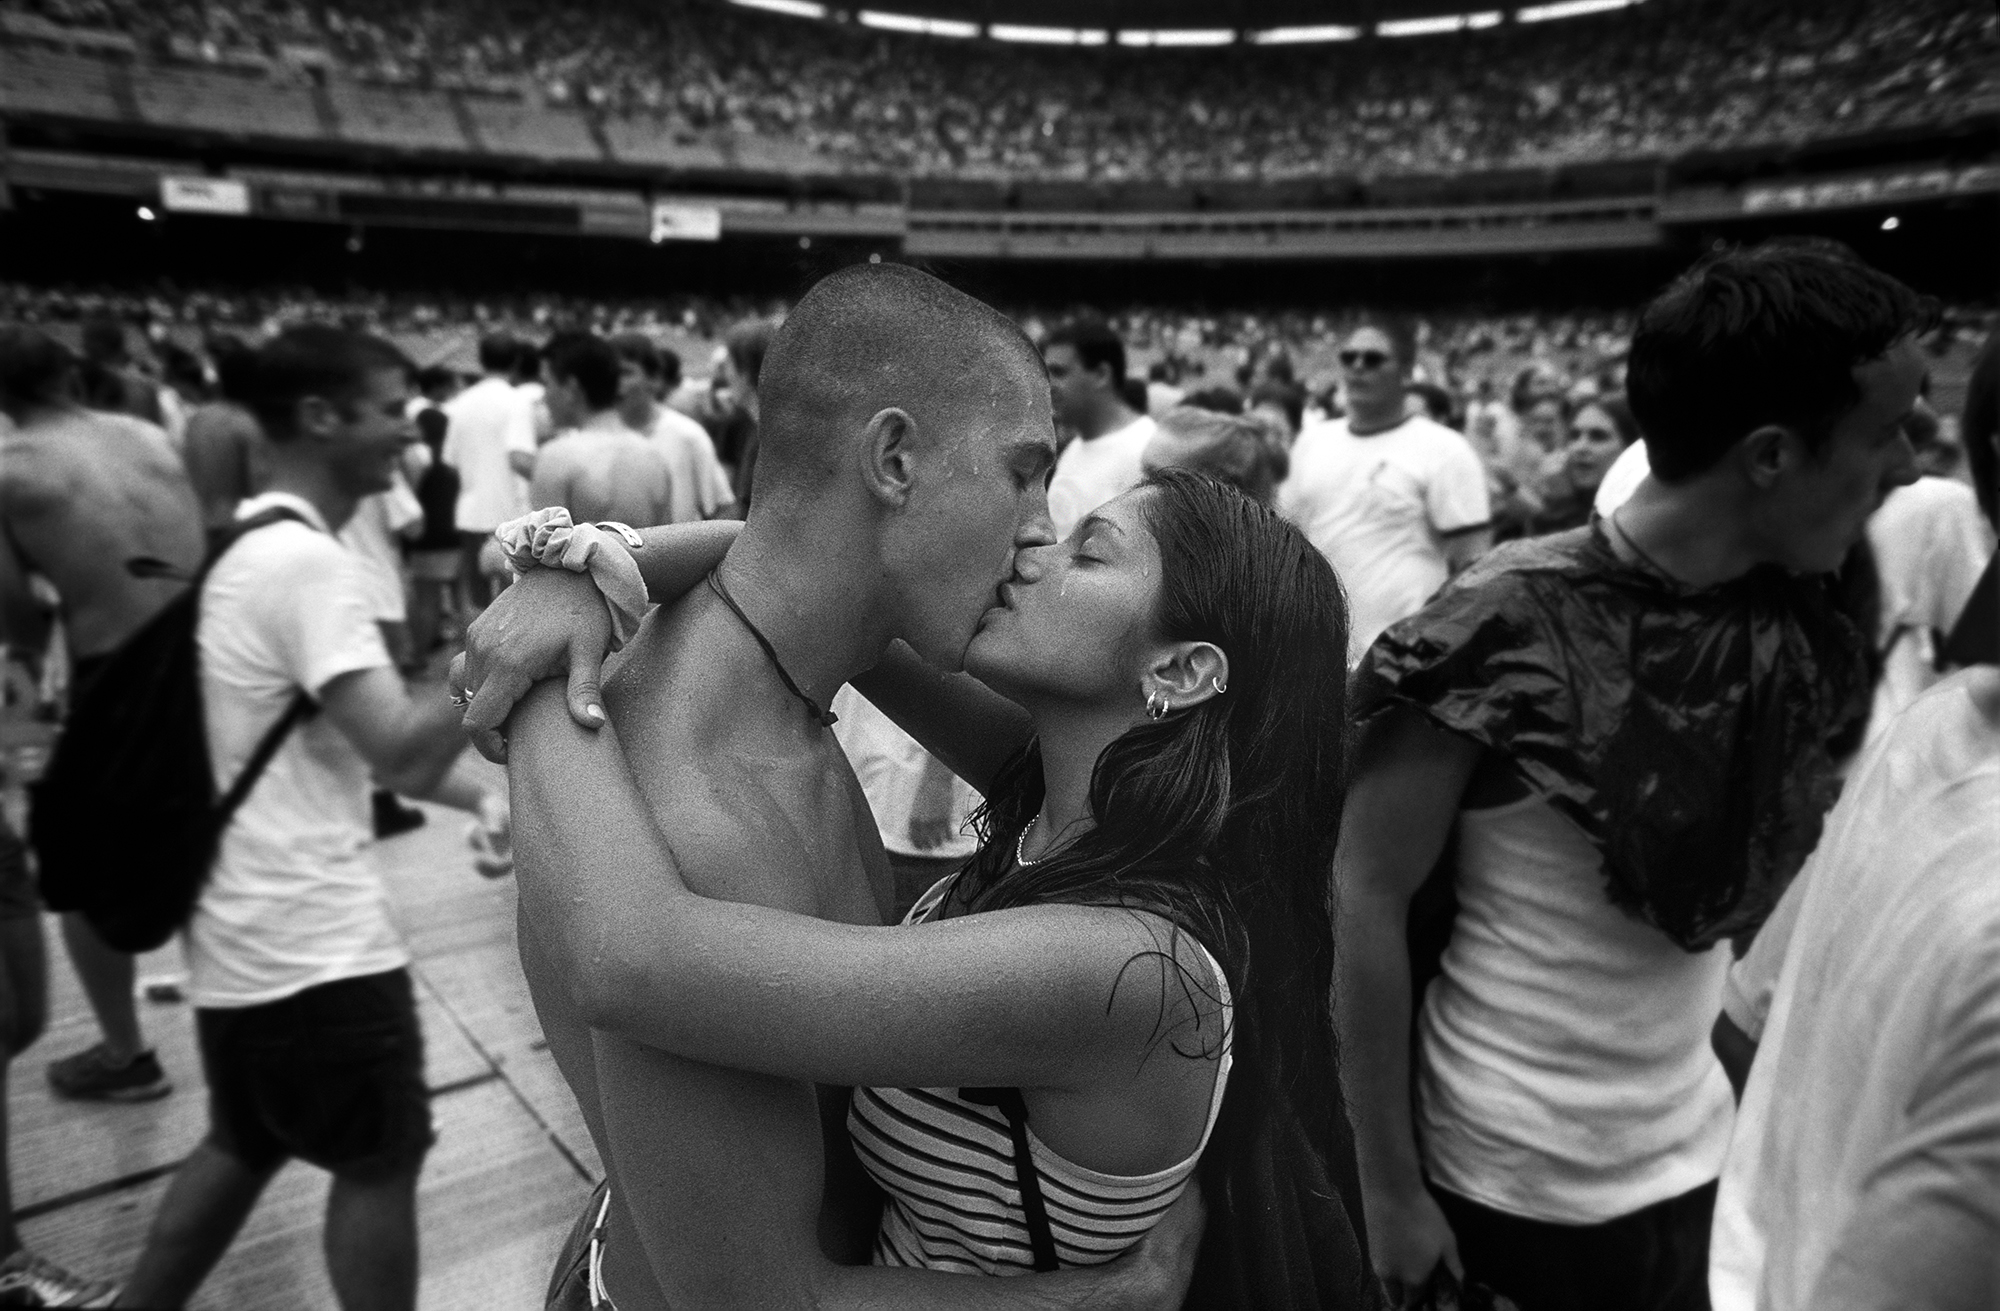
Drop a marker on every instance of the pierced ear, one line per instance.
(1188, 673)
(1767, 452)
(887, 451)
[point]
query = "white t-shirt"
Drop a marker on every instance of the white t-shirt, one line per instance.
(1931, 543)
(1874, 1101)
(374, 534)
(489, 420)
(1622, 479)
(1564, 1071)
(1091, 471)
(1379, 508)
(890, 763)
(700, 485)
(295, 899)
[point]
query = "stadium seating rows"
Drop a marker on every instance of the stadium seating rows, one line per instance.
(1669, 76)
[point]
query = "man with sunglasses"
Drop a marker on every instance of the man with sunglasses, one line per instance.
(1396, 502)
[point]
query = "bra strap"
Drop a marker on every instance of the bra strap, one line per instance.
(1041, 1239)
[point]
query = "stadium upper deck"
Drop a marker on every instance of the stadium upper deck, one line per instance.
(696, 84)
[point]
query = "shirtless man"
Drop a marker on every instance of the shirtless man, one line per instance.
(81, 493)
(907, 442)
(599, 468)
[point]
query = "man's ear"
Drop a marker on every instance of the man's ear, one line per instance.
(1767, 453)
(317, 417)
(887, 454)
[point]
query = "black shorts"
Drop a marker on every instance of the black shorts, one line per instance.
(18, 897)
(333, 1075)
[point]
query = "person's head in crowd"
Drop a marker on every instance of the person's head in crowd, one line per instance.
(640, 381)
(181, 369)
(437, 384)
(103, 342)
(527, 364)
(1163, 371)
(498, 355)
(580, 378)
(1086, 363)
(1598, 434)
(1429, 400)
(744, 349)
(1189, 593)
(332, 404)
(37, 373)
(1282, 401)
(1240, 451)
(905, 434)
(1782, 377)
(1533, 384)
(1222, 400)
(1375, 359)
(1545, 423)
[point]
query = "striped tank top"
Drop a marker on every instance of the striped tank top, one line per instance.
(947, 1168)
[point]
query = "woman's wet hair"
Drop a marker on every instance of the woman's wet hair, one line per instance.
(1221, 818)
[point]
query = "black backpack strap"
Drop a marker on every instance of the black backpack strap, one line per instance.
(1040, 1237)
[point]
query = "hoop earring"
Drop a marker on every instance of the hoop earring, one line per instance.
(1157, 705)
(1219, 686)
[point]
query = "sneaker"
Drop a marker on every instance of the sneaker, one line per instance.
(91, 1075)
(28, 1280)
(392, 817)
(491, 837)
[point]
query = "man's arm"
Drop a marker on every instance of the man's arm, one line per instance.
(548, 477)
(1407, 788)
(1465, 546)
(410, 746)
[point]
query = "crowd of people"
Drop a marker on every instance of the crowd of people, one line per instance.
(1667, 76)
(1554, 674)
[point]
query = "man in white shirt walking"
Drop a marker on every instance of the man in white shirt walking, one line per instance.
(1086, 363)
(1396, 502)
(304, 1010)
(645, 374)
(491, 442)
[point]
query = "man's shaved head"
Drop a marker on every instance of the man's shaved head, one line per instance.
(875, 337)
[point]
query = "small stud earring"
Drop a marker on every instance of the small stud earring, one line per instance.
(1157, 705)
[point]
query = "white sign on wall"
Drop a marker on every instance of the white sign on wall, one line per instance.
(676, 222)
(205, 195)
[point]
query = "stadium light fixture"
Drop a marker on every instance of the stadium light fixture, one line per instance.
(1568, 9)
(912, 23)
(146, 214)
(1438, 23)
(1891, 223)
(1284, 36)
(795, 8)
(1184, 36)
(1047, 36)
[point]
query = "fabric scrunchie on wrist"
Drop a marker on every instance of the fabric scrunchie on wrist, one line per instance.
(546, 539)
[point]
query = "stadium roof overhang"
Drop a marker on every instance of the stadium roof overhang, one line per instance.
(1181, 22)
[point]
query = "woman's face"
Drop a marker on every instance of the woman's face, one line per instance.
(1076, 623)
(1594, 446)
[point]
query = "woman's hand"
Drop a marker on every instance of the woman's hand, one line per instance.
(549, 624)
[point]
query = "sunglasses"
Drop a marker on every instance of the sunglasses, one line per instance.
(1362, 359)
(1591, 430)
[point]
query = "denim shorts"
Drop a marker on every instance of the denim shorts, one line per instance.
(333, 1076)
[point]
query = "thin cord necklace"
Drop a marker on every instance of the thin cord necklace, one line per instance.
(824, 718)
(1637, 549)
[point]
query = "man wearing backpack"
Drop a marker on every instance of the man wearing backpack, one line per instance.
(81, 494)
(304, 1009)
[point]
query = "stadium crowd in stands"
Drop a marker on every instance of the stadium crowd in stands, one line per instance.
(1665, 77)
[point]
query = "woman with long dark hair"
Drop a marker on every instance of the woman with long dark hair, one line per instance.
(1128, 985)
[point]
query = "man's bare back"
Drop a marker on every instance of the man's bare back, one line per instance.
(81, 494)
(605, 474)
(759, 805)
